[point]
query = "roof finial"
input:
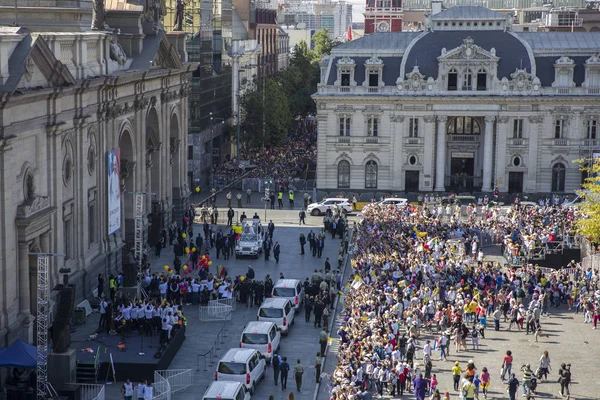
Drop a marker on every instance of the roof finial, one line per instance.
(521, 62)
(416, 61)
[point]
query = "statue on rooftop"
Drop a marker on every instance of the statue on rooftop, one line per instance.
(179, 8)
(98, 15)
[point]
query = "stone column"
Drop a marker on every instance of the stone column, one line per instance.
(488, 154)
(427, 183)
(24, 301)
(501, 152)
(440, 157)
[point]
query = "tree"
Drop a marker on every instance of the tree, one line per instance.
(300, 80)
(277, 118)
(323, 43)
(589, 224)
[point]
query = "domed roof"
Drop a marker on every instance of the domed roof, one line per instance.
(425, 49)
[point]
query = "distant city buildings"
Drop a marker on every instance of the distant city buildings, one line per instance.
(312, 16)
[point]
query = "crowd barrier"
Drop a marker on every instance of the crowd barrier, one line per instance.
(91, 391)
(176, 379)
(217, 310)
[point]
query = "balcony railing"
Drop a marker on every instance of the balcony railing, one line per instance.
(413, 141)
(517, 142)
(344, 139)
(373, 89)
(371, 140)
(344, 89)
(560, 142)
(589, 143)
(464, 138)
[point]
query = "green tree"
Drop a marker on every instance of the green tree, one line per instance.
(299, 80)
(589, 225)
(323, 43)
(272, 110)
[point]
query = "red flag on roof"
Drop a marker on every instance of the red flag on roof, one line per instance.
(349, 34)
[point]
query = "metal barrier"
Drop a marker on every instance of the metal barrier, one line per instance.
(216, 310)
(178, 379)
(210, 357)
(91, 391)
(162, 388)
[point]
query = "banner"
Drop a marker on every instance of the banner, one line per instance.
(113, 162)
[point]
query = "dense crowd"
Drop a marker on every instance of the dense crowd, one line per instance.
(419, 271)
(282, 163)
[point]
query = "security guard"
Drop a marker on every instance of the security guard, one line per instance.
(248, 195)
(280, 199)
(291, 196)
(228, 200)
(239, 199)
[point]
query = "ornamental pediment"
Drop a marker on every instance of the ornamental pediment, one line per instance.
(468, 51)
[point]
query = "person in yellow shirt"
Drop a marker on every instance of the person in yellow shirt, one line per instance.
(469, 390)
(456, 371)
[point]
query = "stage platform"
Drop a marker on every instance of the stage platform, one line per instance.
(128, 363)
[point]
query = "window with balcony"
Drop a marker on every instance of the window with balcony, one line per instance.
(373, 78)
(452, 79)
(345, 77)
(371, 175)
(372, 126)
(482, 79)
(518, 129)
(559, 128)
(558, 177)
(343, 173)
(345, 126)
(413, 127)
(591, 129)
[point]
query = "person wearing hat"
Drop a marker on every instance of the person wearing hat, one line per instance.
(456, 371)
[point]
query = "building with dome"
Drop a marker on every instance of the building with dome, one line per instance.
(466, 105)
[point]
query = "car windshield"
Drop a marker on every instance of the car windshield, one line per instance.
(249, 238)
(284, 292)
(232, 368)
(255, 338)
(271, 312)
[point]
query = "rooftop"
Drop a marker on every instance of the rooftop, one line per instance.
(468, 13)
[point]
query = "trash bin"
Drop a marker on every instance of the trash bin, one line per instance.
(80, 316)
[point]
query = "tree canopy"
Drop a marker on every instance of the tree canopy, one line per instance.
(589, 224)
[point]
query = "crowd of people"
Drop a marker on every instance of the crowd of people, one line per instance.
(283, 163)
(421, 284)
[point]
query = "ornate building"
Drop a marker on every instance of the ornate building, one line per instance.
(466, 105)
(87, 118)
(383, 16)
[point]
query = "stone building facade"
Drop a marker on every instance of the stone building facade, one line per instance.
(466, 105)
(67, 100)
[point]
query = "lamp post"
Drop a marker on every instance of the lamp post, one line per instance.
(237, 111)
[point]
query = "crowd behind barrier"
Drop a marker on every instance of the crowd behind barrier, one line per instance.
(412, 275)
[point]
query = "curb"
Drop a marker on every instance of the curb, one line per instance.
(332, 322)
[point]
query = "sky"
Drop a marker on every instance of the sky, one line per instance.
(358, 7)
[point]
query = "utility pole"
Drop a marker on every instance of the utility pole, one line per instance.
(42, 321)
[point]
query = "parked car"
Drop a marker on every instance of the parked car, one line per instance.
(398, 201)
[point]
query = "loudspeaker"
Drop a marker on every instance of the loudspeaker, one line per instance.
(66, 305)
(129, 275)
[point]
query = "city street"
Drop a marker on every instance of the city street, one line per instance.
(302, 342)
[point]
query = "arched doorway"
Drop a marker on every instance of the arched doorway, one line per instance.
(558, 177)
(127, 178)
(463, 143)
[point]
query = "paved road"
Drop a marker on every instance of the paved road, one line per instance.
(302, 342)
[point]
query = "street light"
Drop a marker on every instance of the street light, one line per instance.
(237, 111)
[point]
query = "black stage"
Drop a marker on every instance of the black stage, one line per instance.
(128, 363)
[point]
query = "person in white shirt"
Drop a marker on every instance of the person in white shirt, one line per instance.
(127, 390)
(140, 390)
(103, 305)
(148, 392)
(228, 292)
(162, 288)
(195, 291)
(427, 350)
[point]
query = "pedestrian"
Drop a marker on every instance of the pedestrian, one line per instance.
(318, 364)
(545, 366)
(513, 386)
(276, 251)
(284, 368)
(302, 215)
(140, 390)
(468, 390)
(230, 215)
(456, 371)
(323, 341)
(298, 372)
(239, 200)
(100, 287)
(420, 387)
(302, 243)
(103, 318)
(280, 199)
(308, 305)
(248, 195)
(275, 362)
(485, 381)
(127, 390)
(148, 391)
(291, 197)
(228, 199)
(565, 379)
(506, 365)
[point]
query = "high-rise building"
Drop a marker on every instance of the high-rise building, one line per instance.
(335, 16)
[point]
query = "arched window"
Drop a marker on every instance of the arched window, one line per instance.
(371, 175)
(558, 177)
(463, 126)
(343, 174)
(452, 79)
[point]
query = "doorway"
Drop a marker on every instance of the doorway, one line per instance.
(515, 182)
(462, 166)
(411, 181)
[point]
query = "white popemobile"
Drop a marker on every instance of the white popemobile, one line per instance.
(251, 239)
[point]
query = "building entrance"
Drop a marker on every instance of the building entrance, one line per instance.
(411, 181)
(462, 167)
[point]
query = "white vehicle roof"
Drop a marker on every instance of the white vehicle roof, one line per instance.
(238, 355)
(340, 199)
(398, 199)
(274, 302)
(224, 389)
(258, 327)
(291, 283)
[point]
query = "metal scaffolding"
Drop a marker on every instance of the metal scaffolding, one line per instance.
(43, 316)
(139, 227)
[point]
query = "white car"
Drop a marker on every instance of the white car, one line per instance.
(321, 207)
(246, 366)
(398, 201)
(251, 240)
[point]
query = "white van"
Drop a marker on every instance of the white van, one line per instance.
(279, 311)
(290, 289)
(262, 336)
(226, 391)
(246, 366)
